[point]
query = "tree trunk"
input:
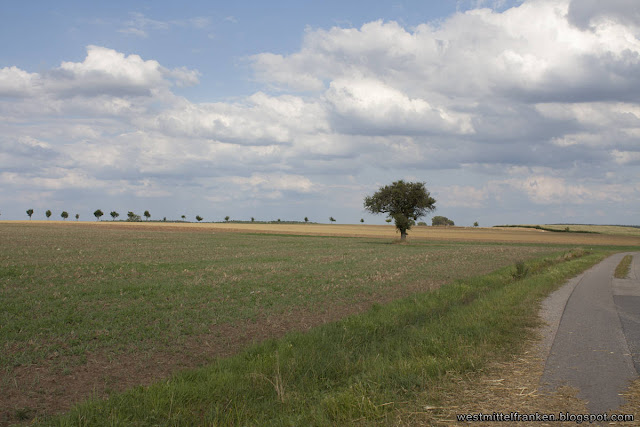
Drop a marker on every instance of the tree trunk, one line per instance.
(403, 235)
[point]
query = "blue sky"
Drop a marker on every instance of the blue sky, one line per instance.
(511, 112)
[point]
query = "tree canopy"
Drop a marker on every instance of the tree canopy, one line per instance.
(405, 202)
(441, 220)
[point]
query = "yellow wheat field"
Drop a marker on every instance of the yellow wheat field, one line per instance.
(479, 234)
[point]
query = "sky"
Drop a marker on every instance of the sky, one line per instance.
(511, 112)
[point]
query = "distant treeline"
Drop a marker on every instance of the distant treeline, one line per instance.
(555, 230)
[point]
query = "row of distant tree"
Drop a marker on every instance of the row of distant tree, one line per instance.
(131, 216)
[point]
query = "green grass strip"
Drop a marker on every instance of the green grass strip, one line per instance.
(367, 368)
(622, 270)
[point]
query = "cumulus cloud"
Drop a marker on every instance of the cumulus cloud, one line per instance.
(585, 14)
(530, 51)
(274, 182)
(107, 71)
(367, 106)
(104, 71)
(260, 120)
(15, 82)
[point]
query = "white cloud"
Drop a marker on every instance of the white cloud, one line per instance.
(548, 190)
(529, 51)
(626, 157)
(369, 106)
(462, 196)
(139, 25)
(588, 13)
(104, 72)
(15, 82)
(274, 182)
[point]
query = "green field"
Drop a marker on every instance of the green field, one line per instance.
(87, 311)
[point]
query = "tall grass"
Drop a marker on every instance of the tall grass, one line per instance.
(369, 368)
(622, 270)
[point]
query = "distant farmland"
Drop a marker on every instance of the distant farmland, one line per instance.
(611, 235)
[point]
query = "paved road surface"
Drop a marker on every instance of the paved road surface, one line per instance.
(596, 347)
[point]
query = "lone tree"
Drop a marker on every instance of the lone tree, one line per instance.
(29, 212)
(98, 213)
(147, 215)
(227, 218)
(48, 213)
(77, 216)
(332, 219)
(64, 214)
(199, 218)
(114, 215)
(405, 202)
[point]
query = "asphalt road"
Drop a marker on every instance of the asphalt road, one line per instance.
(594, 335)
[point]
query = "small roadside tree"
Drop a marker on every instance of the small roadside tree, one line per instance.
(147, 215)
(64, 215)
(306, 219)
(114, 215)
(405, 202)
(332, 219)
(29, 212)
(183, 217)
(48, 213)
(227, 218)
(199, 218)
(77, 217)
(98, 213)
(475, 224)
(253, 219)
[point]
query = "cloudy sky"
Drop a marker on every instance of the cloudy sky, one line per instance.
(510, 111)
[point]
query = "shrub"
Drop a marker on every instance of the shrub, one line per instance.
(521, 271)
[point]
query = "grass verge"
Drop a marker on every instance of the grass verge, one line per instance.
(370, 368)
(622, 270)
